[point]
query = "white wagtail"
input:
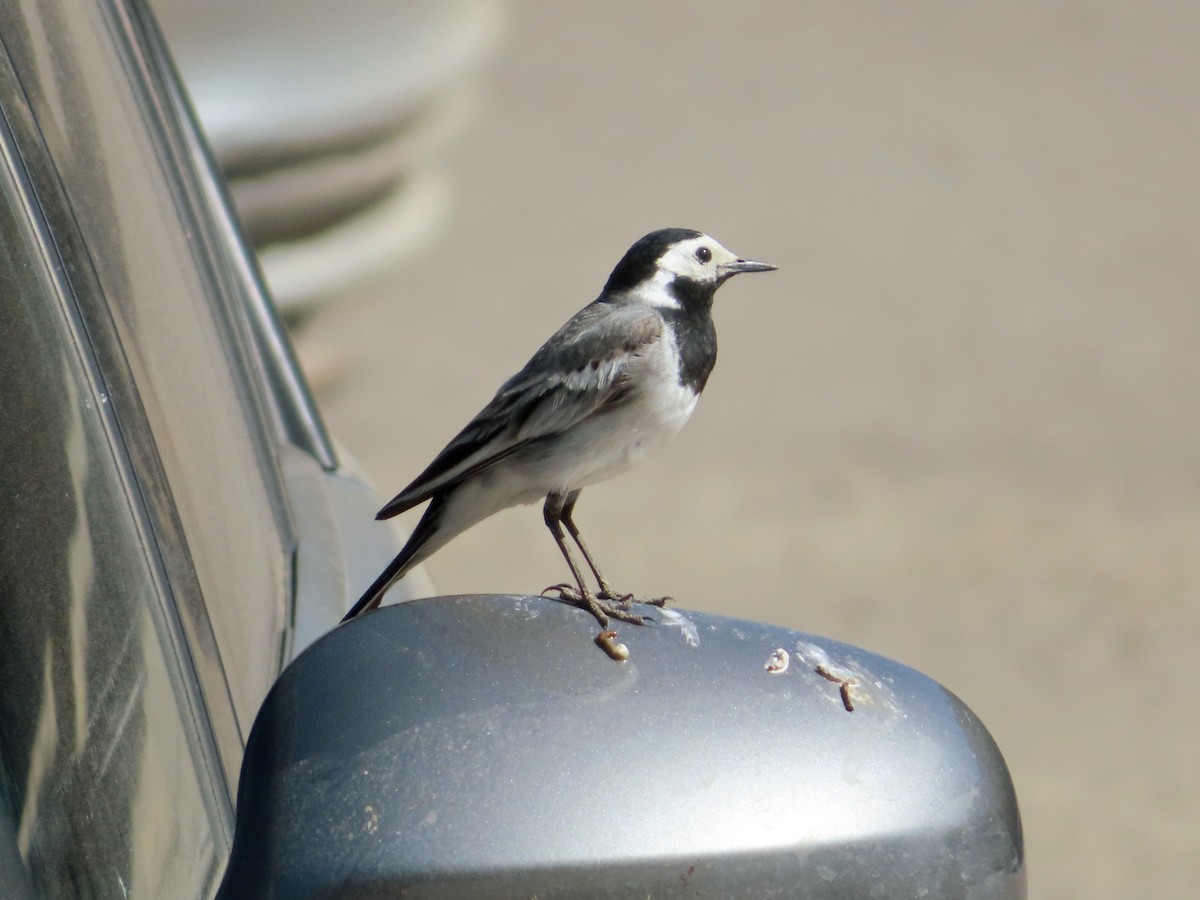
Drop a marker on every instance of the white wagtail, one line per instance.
(611, 385)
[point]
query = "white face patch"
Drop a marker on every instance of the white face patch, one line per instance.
(700, 259)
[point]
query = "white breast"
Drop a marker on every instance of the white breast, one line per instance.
(611, 442)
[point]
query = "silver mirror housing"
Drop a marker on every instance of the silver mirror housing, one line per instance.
(484, 746)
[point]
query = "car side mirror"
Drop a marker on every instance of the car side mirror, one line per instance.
(484, 746)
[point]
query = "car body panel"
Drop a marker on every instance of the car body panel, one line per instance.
(177, 521)
(486, 747)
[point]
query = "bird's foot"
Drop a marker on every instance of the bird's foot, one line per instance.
(626, 601)
(602, 606)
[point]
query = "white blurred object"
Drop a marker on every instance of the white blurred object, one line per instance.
(328, 119)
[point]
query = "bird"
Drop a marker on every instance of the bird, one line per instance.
(610, 386)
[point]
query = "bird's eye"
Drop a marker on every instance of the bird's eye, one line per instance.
(703, 254)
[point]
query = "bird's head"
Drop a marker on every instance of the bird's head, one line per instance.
(674, 262)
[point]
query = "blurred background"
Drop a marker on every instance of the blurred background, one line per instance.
(959, 426)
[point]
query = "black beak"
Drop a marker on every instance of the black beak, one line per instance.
(748, 265)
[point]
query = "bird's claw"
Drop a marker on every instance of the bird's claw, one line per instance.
(626, 601)
(602, 607)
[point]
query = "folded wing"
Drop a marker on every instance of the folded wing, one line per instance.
(578, 372)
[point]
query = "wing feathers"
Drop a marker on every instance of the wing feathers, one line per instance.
(583, 368)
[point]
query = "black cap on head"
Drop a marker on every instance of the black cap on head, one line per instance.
(640, 260)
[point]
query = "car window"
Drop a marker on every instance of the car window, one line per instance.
(114, 175)
(107, 772)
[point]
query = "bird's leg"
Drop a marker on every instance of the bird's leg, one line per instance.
(567, 517)
(600, 607)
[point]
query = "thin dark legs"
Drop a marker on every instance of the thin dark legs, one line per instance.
(558, 513)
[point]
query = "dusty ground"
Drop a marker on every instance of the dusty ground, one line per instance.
(959, 426)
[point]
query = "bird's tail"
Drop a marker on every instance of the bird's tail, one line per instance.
(409, 556)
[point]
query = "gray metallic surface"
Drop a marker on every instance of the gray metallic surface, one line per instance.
(158, 448)
(330, 506)
(109, 782)
(288, 393)
(484, 746)
(113, 173)
(13, 876)
(342, 545)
